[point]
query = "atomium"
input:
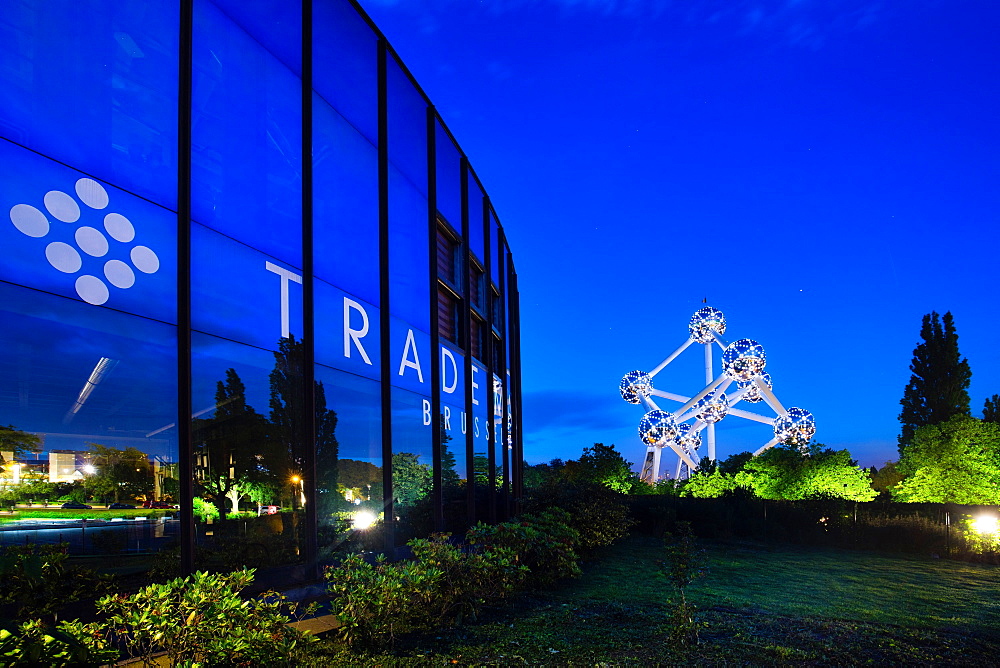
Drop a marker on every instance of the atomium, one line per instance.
(752, 394)
(688, 439)
(796, 427)
(658, 428)
(635, 384)
(712, 408)
(704, 322)
(743, 359)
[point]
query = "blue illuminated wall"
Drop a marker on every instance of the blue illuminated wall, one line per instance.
(223, 241)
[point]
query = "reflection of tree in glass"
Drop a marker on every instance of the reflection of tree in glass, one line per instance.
(120, 474)
(358, 477)
(291, 431)
(449, 467)
(18, 443)
(230, 447)
(411, 480)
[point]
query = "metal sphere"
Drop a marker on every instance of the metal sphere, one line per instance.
(753, 394)
(796, 427)
(743, 359)
(635, 384)
(704, 322)
(712, 408)
(658, 428)
(689, 440)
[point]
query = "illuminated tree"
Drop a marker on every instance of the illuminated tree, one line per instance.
(120, 473)
(710, 483)
(991, 409)
(20, 443)
(411, 480)
(938, 388)
(887, 477)
(604, 465)
(957, 461)
(784, 472)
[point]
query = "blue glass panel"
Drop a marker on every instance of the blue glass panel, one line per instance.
(448, 175)
(407, 126)
(353, 476)
(276, 24)
(345, 205)
(70, 235)
(240, 293)
(346, 71)
(454, 417)
(94, 85)
(495, 251)
(246, 163)
(476, 243)
(412, 463)
(480, 422)
(347, 332)
(409, 277)
(410, 365)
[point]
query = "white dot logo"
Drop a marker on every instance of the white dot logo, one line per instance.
(115, 239)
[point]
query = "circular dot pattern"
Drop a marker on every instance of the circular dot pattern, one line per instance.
(91, 241)
(62, 206)
(92, 290)
(119, 227)
(29, 220)
(119, 274)
(63, 257)
(145, 260)
(92, 193)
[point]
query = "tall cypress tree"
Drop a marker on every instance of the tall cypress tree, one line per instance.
(938, 388)
(991, 409)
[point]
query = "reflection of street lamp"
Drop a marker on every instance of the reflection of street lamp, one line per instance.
(89, 469)
(296, 480)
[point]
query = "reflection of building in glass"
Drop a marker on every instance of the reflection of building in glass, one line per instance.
(250, 269)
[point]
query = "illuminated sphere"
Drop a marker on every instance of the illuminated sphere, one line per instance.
(796, 427)
(704, 322)
(658, 428)
(634, 385)
(712, 408)
(753, 395)
(688, 439)
(743, 359)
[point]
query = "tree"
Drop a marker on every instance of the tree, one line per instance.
(991, 409)
(230, 445)
(411, 480)
(784, 472)
(604, 465)
(19, 443)
(887, 477)
(120, 473)
(957, 461)
(938, 388)
(709, 484)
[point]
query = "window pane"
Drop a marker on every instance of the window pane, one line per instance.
(412, 464)
(448, 177)
(94, 85)
(246, 163)
(407, 127)
(476, 242)
(409, 278)
(76, 237)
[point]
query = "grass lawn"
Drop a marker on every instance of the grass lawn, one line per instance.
(762, 605)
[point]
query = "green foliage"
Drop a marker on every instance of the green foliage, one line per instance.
(32, 643)
(603, 465)
(411, 480)
(201, 620)
(122, 474)
(35, 580)
(709, 484)
(991, 409)
(684, 563)
(20, 443)
(957, 461)
(886, 478)
(543, 542)
(783, 472)
(938, 388)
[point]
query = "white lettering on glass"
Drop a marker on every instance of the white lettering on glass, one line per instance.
(354, 335)
(475, 386)
(406, 361)
(427, 412)
(448, 356)
(286, 276)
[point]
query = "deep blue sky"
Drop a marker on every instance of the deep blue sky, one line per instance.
(824, 172)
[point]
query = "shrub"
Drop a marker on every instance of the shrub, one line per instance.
(544, 543)
(201, 620)
(36, 582)
(32, 643)
(599, 515)
(683, 564)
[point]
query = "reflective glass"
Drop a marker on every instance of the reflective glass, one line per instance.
(347, 332)
(480, 422)
(246, 139)
(91, 396)
(476, 227)
(94, 85)
(412, 464)
(448, 177)
(71, 235)
(454, 422)
(240, 293)
(346, 73)
(410, 361)
(407, 126)
(345, 205)
(495, 250)
(409, 278)
(249, 459)
(276, 24)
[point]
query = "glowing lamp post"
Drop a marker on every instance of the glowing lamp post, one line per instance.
(297, 480)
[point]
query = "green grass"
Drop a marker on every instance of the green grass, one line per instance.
(762, 605)
(74, 514)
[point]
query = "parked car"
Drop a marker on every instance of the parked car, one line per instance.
(75, 505)
(267, 510)
(121, 506)
(158, 505)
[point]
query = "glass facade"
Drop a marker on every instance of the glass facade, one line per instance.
(251, 287)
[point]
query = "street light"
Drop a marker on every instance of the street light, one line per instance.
(296, 480)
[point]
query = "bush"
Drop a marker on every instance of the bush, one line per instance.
(544, 543)
(36, 582)
(201, 620)
(599, 515)
(70, 644)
